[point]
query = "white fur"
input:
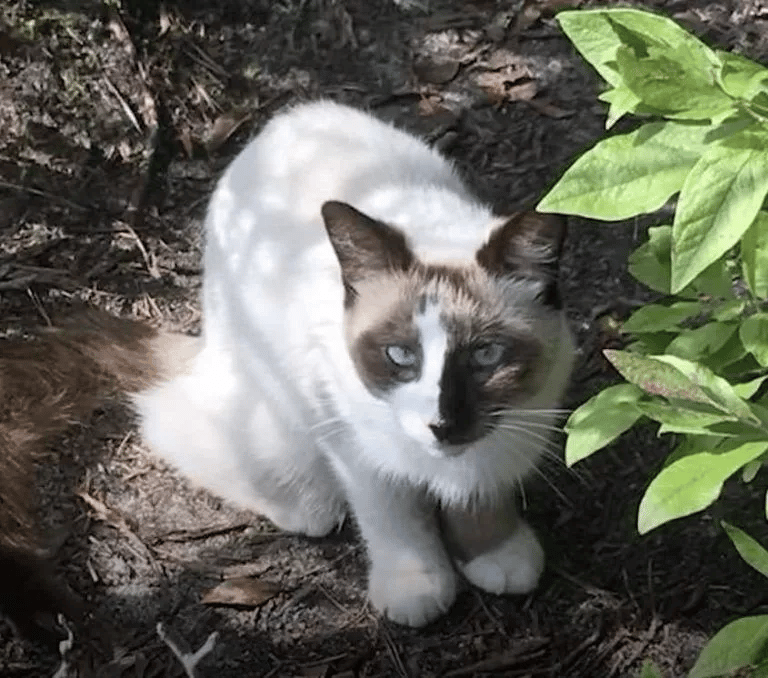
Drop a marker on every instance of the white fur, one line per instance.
(415, 403)
(272, 414)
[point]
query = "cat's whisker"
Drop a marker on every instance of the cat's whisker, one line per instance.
(327, 422)
(536, 424)
(552, 452)
(550, 448)
(547, 480)
(522, 429)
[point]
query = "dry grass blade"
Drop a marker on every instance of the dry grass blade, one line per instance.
(241, 592)
(112, 517)
(523, 651)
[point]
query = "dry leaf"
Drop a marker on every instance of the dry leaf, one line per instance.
(506, 85)
(435, 71)
(546, 107)
(529, 15)
(185, 138)
(535, 9)
(241, 592)
(224, 127)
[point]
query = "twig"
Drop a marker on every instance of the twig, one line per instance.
(182, 536)
(188, 660)
(123, 104)
(39, 306)
(111, 516)
(527, 649)
(393, 653)
(64, 647)
(43, 194)
(148, 261)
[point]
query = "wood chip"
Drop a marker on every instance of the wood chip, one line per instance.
(436, 71)
(241, 592)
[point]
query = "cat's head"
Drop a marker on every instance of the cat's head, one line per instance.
(451, 346)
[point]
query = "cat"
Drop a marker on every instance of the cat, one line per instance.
(46, 383)
(375, 341)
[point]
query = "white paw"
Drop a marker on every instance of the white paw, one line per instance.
(412, 592)
(301, 521)
(512, 567)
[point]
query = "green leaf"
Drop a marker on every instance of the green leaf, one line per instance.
(731, 352)
(621, 101)
(651, 343)
(718, 201)
(740, 77)
(754, 335)
(713, 281)
(692, 444)
(628, 174)
(674, 83)
(594, 38)
(674, 377)
(717, 388)
(649, 670)
(693, 482)
(702, 342)
(749, 549)
(749, 388)
(651, 263)
(655, 317)
(600, 420)
(760, 671)
(740, 644)
(599, 33)
(729, 310)
(754, 256)
(749, 471)
(677, 417)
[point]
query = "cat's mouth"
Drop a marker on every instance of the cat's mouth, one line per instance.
(447, 450)
(457, 444)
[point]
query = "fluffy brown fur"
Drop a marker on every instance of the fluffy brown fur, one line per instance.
(46, 384)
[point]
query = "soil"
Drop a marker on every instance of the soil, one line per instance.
(116, 118)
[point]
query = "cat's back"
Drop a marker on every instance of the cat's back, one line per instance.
(322, 151)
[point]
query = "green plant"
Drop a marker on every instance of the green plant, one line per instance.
(698, 356)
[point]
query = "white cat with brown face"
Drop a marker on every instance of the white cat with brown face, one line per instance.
(375, 340)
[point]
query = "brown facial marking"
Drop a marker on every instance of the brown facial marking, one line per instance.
(516, 379)
(527, 245)
(363, 246)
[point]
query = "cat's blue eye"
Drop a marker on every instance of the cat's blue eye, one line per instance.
(402, 356)
(488, 355)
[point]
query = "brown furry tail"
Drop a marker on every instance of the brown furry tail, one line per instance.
(46, 384)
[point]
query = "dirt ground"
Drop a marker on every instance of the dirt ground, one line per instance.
(116, 118)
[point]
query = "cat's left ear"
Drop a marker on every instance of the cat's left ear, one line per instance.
(364, 246)
(527, 245)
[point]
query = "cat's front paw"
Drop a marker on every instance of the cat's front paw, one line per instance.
(514, 566)
(411, 592)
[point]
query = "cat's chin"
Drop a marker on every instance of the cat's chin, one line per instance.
(443, 451)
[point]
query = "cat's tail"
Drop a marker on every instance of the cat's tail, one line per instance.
(47, 383)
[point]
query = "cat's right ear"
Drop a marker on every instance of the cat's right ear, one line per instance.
(527, 245)
(364, 246)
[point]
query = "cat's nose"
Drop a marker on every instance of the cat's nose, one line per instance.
(451, 433)
(441, 430)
